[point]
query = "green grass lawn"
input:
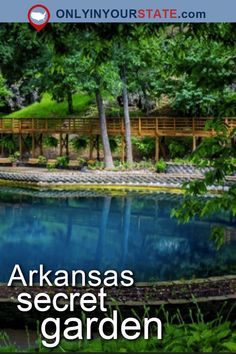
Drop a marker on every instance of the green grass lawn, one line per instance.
(47, 108)
(83, 105)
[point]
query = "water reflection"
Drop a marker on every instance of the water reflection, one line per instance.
(130, 232)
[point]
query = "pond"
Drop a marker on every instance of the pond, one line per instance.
(88, 230)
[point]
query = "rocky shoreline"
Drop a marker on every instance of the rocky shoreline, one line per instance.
(41, 178)
(158, 293)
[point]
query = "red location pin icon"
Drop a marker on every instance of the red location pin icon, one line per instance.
(39, 16)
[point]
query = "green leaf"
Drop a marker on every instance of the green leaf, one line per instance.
(231, 346)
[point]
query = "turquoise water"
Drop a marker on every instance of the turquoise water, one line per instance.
(72, 231)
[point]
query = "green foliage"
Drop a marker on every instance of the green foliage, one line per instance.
(142, 165)
(15, 157)
(183, 161)
(161, 166)
(178, 148)
(50, 142)
(51, 166)
(79, 143)
(82, 162)
(23, 57)
(4, 92)
(114, 144)
(203, 72)
(61, 82)
(218, 155)
(9, 142)
(218, 236)
(95, 165)
(42, 160)
(145, 146)
(215, 336)
(63, 161)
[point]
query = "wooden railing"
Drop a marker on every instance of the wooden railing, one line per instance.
(142, 126)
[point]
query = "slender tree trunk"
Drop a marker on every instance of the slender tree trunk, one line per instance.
(70, 103)
(128, 143)
(108, 160)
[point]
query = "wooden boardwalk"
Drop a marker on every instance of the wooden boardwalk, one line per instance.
(140, 127)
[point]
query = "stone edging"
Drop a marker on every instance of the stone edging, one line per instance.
(161, 293)
(103, 178)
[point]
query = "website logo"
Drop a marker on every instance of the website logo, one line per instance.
(39, 16)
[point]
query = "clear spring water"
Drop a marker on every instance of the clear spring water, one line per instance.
(102, 232)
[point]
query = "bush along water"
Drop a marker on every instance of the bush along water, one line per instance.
(161, 166)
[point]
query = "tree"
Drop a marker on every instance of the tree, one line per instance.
(200, 71)
(219, 156)
(4, 92)
(133, 55)
(129, 153)
(85, 61)
(215, 57)
(96, 75)
(61, 83)
(23, 58)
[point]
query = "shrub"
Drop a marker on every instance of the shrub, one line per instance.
(63, 161)
(161, 166)
(114, 144)
(82, 162)
(51, 166)
(15, 157)
(79, 143)
(9, 142)
(179, 147)
(95, 165)
(42, 160)
(50, 142)
(176, 149)
(145, 146)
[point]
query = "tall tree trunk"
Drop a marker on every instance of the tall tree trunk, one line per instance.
(108, 160)
(70, 103)
(128, 143)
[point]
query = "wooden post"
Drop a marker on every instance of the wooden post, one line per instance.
(33, 145)
(139, 126)
(157, 150)
(2, 147)
(157, 127)
(20, 145)
(194, 142)
(67, 144)
(122, 149)
(60, 144)
(41, 144)
(122, 126)
(91, 148)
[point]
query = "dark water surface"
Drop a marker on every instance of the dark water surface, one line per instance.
(122, 232)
